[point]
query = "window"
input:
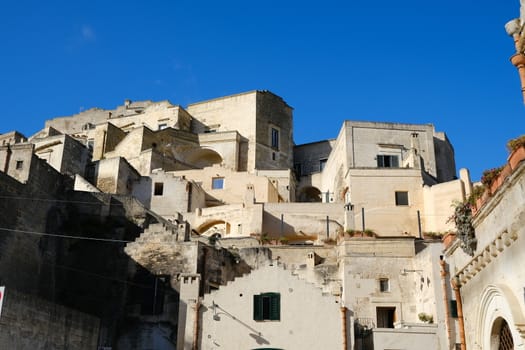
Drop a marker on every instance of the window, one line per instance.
(90, 144)
(217, 183)
(505, 337)
(298, 169)
(322, 163)
(384, 285)
(401, 198)
(275, 138)
(163, 126)
(386, 316)
(453, 308)
(158, 189)
(19, 164)
(386, 161)
(267, 307)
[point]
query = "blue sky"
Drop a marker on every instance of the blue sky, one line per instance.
(445, 63)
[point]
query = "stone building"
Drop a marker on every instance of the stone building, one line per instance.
(349, 222)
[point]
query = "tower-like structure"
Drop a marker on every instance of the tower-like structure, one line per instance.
(516, 29)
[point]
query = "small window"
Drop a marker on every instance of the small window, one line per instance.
(217, 183)
(19, 164)
(273, 156)
(163, 126)
(275, 138)
(90, 144)
(158, 189)
(298, 167)
(401, 198)
(453, 309)
(384, 285)
(322, 163)
(267, 307)
(387, 161)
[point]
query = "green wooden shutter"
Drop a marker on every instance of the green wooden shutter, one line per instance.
(454, 309)
(257, 308)
(275, 306)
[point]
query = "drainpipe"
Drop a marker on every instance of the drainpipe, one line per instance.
(196, 307)
(343, 326)
(445, 299)
(455, 285)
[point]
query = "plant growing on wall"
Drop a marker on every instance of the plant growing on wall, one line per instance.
(427, 318)
(462, 218)
(516, 143)
(476, 193)
(490, 175)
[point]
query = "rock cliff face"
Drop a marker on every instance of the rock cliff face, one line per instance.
(62, 260)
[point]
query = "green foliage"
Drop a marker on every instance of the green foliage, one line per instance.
(462, 218)
(490, 175)
(476, 193)
(425, 317)
(283, 240)
(434, 235)
(367, 233)
(516, 143)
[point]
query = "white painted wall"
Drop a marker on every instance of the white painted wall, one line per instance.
(309, 320)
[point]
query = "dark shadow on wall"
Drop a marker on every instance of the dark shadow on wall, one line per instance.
(68, 250)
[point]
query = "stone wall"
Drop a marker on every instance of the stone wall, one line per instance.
(273, 113)
(303, 221)
(30, 322)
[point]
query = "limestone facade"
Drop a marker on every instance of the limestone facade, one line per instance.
(233, 196)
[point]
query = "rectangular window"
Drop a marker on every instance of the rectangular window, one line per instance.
(384, 285)
(267, 307)
(163, 126)
(217, 183)
(158, 189)
(19, 164)
(386, 161)
(386, 316)
(275, 138)
(401, 198)
(298, 169)
(322, 163)
(453, 308)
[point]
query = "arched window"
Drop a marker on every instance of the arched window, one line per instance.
(505, 337)
(501, 338)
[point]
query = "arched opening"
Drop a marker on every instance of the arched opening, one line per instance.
(501, 336)
(309, 194)
(217, 228)
(202, 157)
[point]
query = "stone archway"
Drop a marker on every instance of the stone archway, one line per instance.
(218, 228)
(498, 318)
(309, 194)
(202, 157)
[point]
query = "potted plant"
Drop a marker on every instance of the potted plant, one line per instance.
(516, 148)
(476, 198)
(427, 318)
(490, 179)
(448, 238)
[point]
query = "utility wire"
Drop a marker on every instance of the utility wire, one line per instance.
(60, 200)
(67, 236)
